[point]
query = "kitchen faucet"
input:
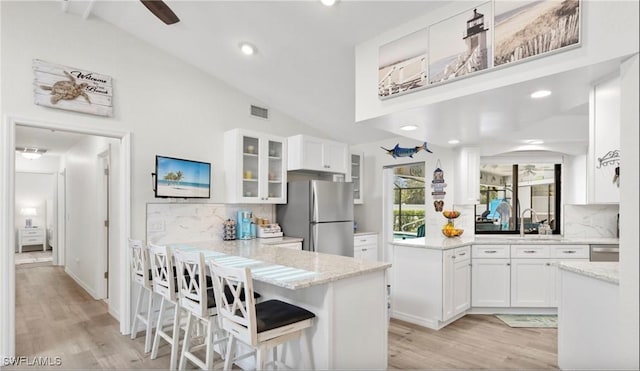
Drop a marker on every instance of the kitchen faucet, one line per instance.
(534, 219)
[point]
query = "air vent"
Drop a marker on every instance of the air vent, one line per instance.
(260, 112)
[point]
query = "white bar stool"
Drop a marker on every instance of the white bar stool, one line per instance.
(164, 283)
(262, 326)
(140, 274)
(198, 300)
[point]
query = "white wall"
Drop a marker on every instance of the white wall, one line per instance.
(574, 179)
(45, 164)
(609, 30)
(83, 249)
(33, 190)
(170, 107)
(629, 218)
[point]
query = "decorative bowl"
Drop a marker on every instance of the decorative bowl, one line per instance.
(451, 214)
(452, 232)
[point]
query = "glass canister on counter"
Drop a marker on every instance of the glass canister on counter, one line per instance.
(229, 230)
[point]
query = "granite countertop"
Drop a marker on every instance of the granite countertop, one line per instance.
(363, 233)
(278, 240)
(605, 271)
(444, 243)
(298, 269)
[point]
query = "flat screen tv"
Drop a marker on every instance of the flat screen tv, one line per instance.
(179, 178)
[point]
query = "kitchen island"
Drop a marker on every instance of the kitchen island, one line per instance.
(588, 316)
(348, 297)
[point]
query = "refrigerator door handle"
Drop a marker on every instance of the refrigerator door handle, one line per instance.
(313, 237)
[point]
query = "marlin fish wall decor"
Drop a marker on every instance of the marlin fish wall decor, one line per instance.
(398, 151)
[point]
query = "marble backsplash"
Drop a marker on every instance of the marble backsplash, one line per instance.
(191, 222)
(590, 220)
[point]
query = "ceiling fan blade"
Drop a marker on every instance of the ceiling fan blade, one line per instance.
(161, 10)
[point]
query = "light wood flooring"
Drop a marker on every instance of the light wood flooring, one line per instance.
(56, 317)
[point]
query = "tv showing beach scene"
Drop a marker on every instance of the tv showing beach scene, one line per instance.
(182, 178)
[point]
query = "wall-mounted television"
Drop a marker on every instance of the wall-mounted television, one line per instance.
(180, 178)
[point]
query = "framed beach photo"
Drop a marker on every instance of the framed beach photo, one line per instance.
(524, 29)
(461, 45)
(402, 65)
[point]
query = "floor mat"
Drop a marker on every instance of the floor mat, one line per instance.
(526, 320)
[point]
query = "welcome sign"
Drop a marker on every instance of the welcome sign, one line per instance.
(72, 89)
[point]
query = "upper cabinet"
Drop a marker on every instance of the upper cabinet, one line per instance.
(467, 179)
(255, 167)
(315, 154)
(604, 142)
(356, 174)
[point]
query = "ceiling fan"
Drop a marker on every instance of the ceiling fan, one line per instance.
(528, 170)
(161, 10)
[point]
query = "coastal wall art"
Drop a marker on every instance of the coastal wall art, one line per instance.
(525, 29)
(72, 89)
(494, 34)
(402, 64)
(461, 44)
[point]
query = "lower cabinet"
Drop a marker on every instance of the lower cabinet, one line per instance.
(491, 282)
(531, 283)
(456, 267)
(365, 247)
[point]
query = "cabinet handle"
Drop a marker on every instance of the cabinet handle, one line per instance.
(363, 240)
(463, 253)
(364, 249)
(508, 263)
(490, 252)
(547, 264)
(530, 251)
(453, 256)
(569, 251)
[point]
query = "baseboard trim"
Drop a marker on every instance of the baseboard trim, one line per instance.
(81, 283)
(415, 320)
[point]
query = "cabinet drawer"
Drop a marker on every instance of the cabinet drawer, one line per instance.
(462, 253)
(369, 239)
(291, 245)
(32, 241)
(31, 232)
(529, 251)
(570, 252)
(490, 251)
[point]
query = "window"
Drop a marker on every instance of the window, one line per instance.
(536, 191)
(408, 201)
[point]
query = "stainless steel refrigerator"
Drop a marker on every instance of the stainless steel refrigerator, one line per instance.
(320, 212)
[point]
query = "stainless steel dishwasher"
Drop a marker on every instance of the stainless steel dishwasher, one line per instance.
(605, 253)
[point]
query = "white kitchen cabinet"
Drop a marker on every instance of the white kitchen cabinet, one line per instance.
(490, 282)
(467, 176)
(290, 245)
(365, 247)
(356, 175)
(534, 278)
(255, 167)
(456, 282)
(604, 141)
(316, 154)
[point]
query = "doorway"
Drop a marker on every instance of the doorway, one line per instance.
(8, 225)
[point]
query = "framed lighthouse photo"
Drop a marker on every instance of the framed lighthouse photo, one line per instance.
(524, 29)
(461, 45)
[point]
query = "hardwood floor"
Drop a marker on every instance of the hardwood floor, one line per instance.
(472, 342)
(56, 317)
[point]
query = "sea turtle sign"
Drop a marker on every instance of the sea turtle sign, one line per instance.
(72, 89)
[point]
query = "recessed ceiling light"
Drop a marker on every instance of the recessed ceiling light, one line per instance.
(409, 128)
(540, 94)
(454, 141)
(533, 141)
(328, 2)
(247, 49)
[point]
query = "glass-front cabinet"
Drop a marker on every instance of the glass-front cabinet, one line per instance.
(255, 167)
(357, 171)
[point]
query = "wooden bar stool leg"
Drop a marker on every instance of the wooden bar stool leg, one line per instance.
(134, 329)
(186, 342)
(149, 331)
(307, 345)
(156, 338)
(176, 338)
(261, 358)
(209, 341)
(228, 359)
